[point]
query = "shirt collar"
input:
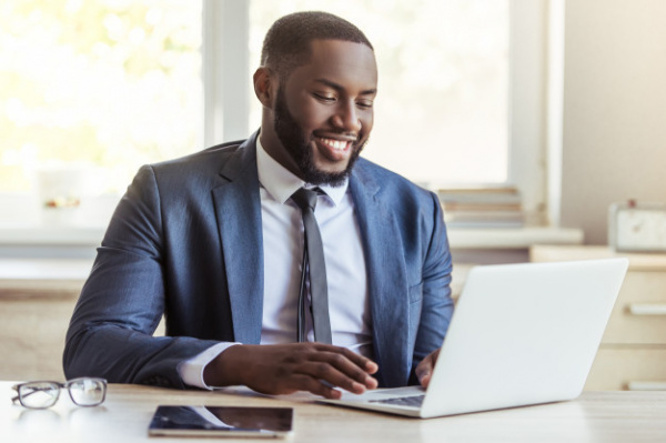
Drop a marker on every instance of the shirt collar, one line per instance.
(281, 183)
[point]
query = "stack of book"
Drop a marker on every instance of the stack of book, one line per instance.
(482, 207)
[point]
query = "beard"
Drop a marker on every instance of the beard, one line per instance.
(297, 144)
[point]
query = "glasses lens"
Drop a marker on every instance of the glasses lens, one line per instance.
(39, 394)
(87, 391)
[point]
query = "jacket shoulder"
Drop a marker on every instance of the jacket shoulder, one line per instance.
(210, 158)
(390, 183)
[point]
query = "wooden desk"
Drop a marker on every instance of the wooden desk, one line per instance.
(596, 416)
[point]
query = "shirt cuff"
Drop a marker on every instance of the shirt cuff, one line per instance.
(191, 371)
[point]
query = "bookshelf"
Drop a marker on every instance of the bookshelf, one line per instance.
(482, 207)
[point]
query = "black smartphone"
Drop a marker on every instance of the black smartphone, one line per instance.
(221, 421)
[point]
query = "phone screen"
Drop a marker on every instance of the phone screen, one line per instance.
(222, 421)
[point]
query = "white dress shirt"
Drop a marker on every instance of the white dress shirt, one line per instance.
(282, 230)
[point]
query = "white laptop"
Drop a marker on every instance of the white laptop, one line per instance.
(521, 334)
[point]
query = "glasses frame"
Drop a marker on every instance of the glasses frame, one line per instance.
(60, 386)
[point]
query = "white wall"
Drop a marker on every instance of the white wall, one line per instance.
(614, 109)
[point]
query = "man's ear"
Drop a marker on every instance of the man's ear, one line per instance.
(263, 86)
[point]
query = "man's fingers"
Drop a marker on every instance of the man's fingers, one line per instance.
(314, 386)
(435, 356)
(362, 362)
(365, 363)
(329, 374)
(423, 373)
(281, 369)
(339, 369)
(424, 369)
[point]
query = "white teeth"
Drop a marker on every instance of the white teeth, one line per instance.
(335, 144)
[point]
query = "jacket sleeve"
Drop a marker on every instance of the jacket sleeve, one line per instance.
(437, 307)
(122, 302)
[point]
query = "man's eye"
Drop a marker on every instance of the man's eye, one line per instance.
(324, 97)
(365, 104)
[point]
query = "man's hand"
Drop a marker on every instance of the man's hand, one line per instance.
(283, 369)
(424, 369)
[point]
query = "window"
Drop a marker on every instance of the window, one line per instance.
(118, 83)
(461, 88)
(90, 90)
(442, 111)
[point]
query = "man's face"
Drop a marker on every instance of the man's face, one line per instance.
(323, 112)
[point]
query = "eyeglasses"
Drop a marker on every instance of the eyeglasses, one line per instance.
(84, 391)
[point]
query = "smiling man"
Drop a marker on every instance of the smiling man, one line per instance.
(215, 242)
(332, 97)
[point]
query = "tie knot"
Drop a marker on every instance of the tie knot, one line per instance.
(305, 198)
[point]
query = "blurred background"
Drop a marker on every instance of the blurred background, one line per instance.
(529, 118)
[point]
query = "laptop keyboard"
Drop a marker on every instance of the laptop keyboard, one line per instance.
(412, 400)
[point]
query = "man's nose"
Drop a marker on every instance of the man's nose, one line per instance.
(346, 117)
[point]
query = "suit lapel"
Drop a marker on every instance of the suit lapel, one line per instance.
(238, 210)
(387, 281)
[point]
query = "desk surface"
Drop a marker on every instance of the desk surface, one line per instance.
(595, 416)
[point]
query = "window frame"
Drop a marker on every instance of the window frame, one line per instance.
(227, 102)
(528, 56)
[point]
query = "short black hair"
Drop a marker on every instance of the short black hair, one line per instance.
(287, 42)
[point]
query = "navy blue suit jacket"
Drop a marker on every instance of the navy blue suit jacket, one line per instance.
(186, 241)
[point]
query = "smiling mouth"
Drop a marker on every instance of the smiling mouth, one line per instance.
(337, 145)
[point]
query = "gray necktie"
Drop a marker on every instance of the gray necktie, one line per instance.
(313, 259)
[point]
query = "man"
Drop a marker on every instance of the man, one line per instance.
(213, 241)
